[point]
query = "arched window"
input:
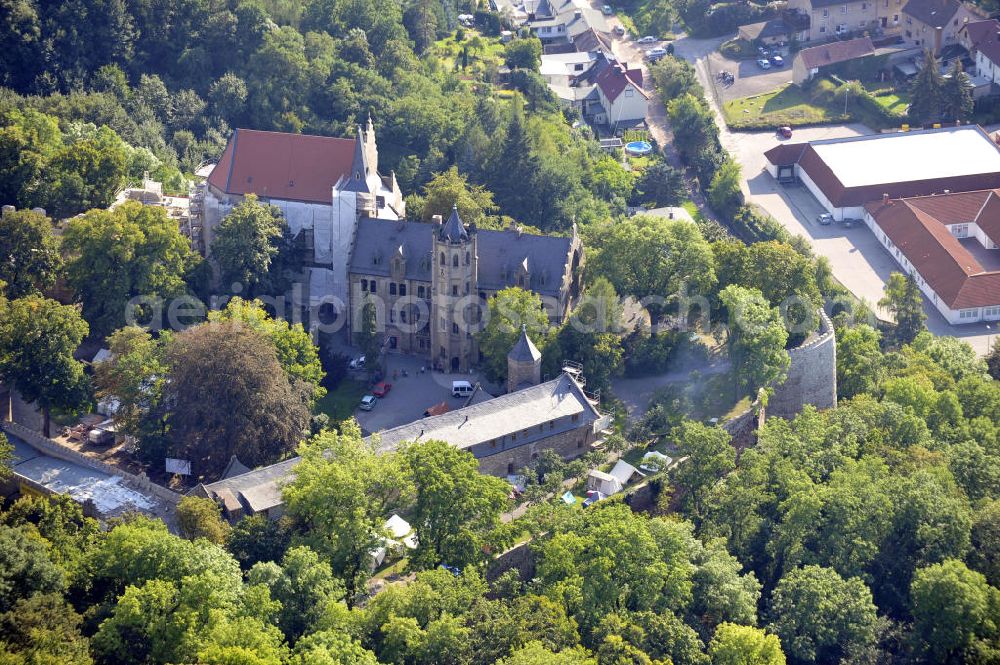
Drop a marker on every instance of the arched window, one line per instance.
(444, 261)
(468, 258)
(454, 261)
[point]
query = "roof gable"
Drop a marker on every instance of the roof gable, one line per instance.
(836, 52)
(294, 167)
(614, 79)
(919, 228)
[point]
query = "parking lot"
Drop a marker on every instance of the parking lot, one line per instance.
(411, 394)
(857, 259)
(749, 78)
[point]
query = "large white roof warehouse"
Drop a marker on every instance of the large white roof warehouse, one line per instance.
(844, 174)
(907, 156)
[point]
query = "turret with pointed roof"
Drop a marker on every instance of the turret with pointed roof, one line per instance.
(453, 230)
(455, 283)
(524, 363)
(360, 168)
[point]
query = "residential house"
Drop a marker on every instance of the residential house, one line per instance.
(829, 19)
(604, 90)
(622, 96)
(935, 24)
(812, 61)
(776, 30)
(982, 40)
(563, 21)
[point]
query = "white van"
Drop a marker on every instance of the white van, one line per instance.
(461, 388)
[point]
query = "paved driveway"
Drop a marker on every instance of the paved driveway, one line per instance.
(750, 79)
(412, 394)
(857, 259)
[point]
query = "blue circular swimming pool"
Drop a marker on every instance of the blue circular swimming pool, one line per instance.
(638, 148)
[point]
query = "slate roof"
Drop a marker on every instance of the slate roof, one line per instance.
(377, 241)
(935, 13)
(454, 230)
(294, 167)
(524, 409)
(500, 254)
(836, 52)
(260, 490)
(257, 490)
(524, 350)
(919, 228)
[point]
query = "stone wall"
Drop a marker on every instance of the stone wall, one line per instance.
(812, 375)
(53, 449)
(520, 558)
(569, 445)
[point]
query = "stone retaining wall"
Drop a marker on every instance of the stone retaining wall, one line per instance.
(53, 449)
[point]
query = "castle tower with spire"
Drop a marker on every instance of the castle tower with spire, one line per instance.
(524, 363)
(455, 303)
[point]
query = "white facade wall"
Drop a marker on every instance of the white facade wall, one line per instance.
(839, 214)
(986, 67)
(952, 316)
(626, 108)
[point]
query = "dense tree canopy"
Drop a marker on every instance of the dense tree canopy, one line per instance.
(38, 338)
(122, 262)
(30, 253)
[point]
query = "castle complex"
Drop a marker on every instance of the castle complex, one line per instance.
(430, 282)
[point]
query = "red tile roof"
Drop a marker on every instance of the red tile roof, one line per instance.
(294, 167)
(918, 227)
(834, 52)
(615, 78)
(785, 154)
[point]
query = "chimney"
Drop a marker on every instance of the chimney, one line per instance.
(578, 13)
(437, 219)
(947, 191)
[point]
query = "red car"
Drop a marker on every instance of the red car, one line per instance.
(381, 389)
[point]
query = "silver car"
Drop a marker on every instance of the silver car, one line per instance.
(825, 219)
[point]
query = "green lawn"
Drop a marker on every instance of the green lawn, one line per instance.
(340, 403)
(894, 102)
(785, 106)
